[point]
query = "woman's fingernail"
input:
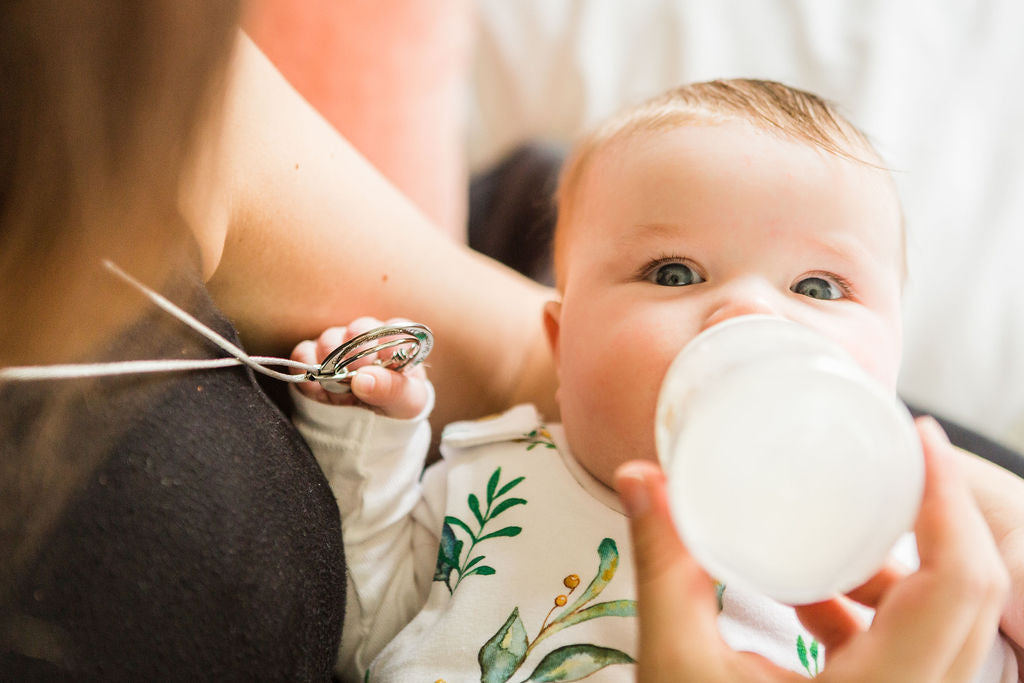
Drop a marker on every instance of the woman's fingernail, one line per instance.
(930, 425)
(632, 488)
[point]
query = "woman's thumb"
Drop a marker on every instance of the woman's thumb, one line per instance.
(676, 597)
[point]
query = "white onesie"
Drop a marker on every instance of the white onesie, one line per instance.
(506, 562)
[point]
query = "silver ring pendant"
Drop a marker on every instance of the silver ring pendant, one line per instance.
(411, 342)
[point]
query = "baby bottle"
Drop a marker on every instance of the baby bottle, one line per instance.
(790, 470)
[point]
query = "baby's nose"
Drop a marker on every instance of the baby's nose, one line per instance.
(737, 304)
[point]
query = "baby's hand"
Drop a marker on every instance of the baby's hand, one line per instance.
(401, 395)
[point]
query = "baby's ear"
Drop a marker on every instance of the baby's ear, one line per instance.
(552, 322)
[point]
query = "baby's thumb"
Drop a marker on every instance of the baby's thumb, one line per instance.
(396, 394)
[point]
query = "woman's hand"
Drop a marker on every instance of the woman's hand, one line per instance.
(935, 624)
(999, 495)
(401, 395)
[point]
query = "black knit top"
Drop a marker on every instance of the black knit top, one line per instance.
(205, 544)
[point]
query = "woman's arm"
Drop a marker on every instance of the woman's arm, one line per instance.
(314, 235)
(391, 76)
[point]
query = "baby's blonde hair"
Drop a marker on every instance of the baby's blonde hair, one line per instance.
(776, 108)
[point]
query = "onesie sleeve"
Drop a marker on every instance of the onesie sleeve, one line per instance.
(373, 465)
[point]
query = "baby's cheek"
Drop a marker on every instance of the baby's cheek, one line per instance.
(879, 355)
(888, 374)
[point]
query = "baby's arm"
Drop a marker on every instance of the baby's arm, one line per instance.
(371, 445)
(999, 495)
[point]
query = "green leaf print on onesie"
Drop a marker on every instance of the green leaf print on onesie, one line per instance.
(449, 552)
(505, 652)
(539, 437)
(808, 656)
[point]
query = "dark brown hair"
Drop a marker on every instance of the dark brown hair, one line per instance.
(103, 104)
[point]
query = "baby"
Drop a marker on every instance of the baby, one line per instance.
(509, 558)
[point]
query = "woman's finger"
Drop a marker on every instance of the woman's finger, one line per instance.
(870, 592)
(677, 606)
(675, 597)
(833, 623)
(987, 582)
(940, 615)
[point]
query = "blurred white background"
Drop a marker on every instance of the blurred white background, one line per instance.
(938, 86)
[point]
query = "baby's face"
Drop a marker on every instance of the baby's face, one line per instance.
(675, 231)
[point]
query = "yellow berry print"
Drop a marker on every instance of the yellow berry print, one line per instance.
(538, 437)
(503, 655)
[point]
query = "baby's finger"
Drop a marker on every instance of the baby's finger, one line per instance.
(329, 339)
(305, 352)
(362, 325)
(357, 327)
(396, 394)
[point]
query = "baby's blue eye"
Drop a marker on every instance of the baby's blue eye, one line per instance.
(675, 275)
(818, 288)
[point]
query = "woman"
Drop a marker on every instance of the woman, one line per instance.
(175, 524)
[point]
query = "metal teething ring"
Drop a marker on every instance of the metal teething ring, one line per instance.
(414, 341)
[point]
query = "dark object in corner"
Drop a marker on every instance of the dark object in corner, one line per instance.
(974, 442)
(512, 209)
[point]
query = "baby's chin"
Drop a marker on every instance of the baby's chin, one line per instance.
(600, 447)
(603, 466)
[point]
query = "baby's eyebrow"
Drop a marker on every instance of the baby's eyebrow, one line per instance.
(642, 232)
(845, 248)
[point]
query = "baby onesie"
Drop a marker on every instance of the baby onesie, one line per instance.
(506, 561)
